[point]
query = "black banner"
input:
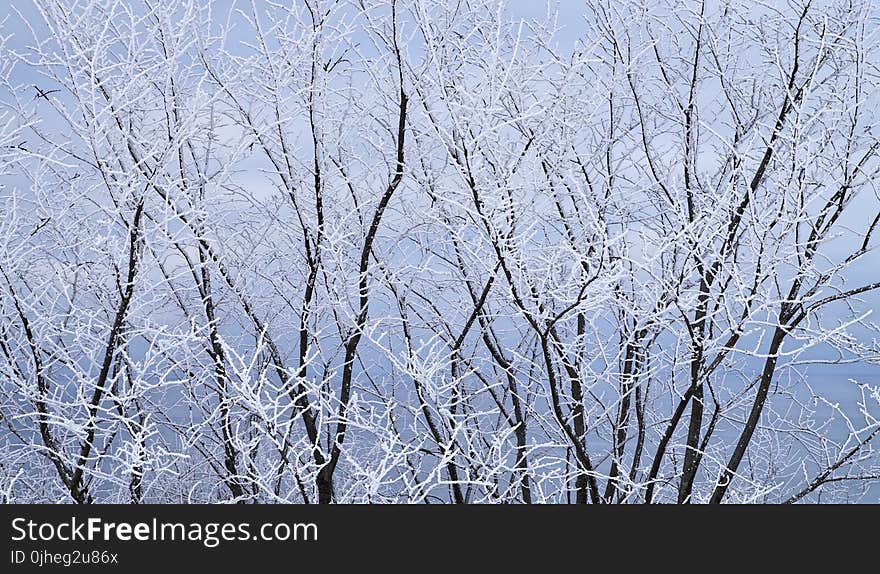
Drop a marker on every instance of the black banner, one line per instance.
(145, 538)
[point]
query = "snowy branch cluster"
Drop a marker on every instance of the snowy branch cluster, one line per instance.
(414, 251)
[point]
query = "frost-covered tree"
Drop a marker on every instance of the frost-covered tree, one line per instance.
(469, 252)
